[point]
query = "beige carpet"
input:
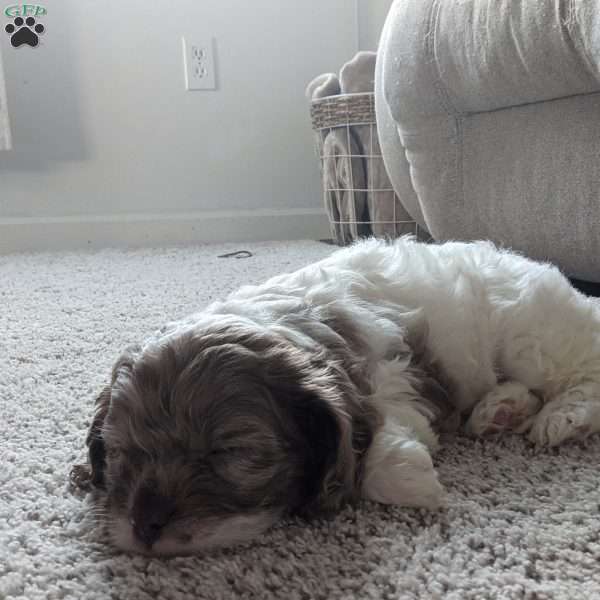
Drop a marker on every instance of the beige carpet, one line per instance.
(519, 525)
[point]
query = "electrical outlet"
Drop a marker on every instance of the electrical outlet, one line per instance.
(199, 65)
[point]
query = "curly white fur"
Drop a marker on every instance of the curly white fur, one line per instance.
(491, 317)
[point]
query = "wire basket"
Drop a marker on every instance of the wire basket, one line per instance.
(358, 195)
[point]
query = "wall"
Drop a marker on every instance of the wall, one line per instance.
(371, 17)
(109, 148)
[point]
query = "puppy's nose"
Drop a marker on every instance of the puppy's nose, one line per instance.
(151, 512)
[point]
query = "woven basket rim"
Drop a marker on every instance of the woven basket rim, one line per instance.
(342, 110)
(341, 97)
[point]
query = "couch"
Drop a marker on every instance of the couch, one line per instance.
(489, 121)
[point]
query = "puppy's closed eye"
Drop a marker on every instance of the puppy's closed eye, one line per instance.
(225, 451)
(114, 453)
(246, 465)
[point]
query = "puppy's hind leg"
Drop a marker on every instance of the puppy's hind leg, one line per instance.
(574, 414)
(552, 344)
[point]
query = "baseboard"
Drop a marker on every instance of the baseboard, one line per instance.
(131, 230)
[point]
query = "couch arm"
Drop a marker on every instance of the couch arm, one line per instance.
(466, 56)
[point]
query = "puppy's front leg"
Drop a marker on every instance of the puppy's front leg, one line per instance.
(509, 406)
(398, 468)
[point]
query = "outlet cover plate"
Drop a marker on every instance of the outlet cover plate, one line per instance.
(199, 64)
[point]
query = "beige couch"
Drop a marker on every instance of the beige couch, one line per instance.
(489, 121)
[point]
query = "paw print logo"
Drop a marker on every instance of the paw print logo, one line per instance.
(24, 32)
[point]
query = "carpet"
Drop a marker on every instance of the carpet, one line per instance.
(518, 524)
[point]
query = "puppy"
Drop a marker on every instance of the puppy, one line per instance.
(330, 384)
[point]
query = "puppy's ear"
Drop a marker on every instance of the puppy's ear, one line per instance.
(338, 434)
(95, 442)
(321, 434)
(93, 472)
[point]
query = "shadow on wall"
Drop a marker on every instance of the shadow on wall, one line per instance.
(43, 95)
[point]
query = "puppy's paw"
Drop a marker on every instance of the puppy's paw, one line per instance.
(509, 406)
(400, 471)
(567, 417)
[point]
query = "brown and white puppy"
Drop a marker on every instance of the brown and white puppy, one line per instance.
(328, 384)
(208, 438)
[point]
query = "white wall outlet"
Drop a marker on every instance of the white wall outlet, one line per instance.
(199, 65)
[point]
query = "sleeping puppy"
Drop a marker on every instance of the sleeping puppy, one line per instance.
(330, 384)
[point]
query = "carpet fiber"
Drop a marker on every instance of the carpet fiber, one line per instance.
(518, 524)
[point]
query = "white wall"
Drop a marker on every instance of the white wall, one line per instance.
(372, 14)
(108, 146)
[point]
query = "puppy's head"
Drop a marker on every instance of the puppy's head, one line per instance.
(207, 437)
